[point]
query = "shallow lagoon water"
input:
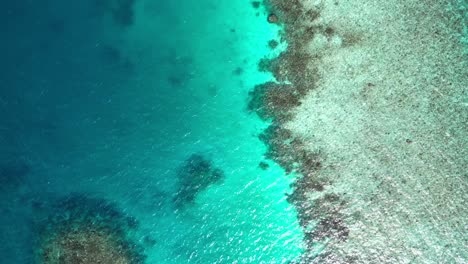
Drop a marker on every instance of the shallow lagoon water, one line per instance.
(110, 102)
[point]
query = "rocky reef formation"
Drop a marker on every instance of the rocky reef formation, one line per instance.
(81, 230)
(373, 127)
(195, 175)
(295, 76)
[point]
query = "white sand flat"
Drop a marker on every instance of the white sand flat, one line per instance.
(389, 116)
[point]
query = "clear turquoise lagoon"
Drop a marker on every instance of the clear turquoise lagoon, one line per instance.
(112, 99)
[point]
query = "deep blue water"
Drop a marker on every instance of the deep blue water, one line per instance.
(135, 103)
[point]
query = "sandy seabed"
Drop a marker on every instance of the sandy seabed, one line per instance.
(386, 115)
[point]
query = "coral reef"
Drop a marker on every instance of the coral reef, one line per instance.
(273, 44)
(263, 165)
(295, 75)
(256, 4)
(271, 100)
(194, 176)
(363, 177)
(272, 18)
(80, 230)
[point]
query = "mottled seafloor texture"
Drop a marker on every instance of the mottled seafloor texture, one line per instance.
(377, 125)
(125, 135)
(127, 131)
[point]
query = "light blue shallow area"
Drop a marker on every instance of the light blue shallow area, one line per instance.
(92, 105)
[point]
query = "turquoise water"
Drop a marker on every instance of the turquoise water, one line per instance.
(109, 99)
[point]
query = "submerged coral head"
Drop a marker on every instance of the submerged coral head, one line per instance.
(195, 175)
(83, 246)
(84, 230)
(272, 18)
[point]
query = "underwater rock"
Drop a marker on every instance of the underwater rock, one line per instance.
(273, 44)
(272, 100)
(295, 74)
(195, 175)
(256, 4)
(272, 18)
(81, 230)
(263, 165)
(83, 246)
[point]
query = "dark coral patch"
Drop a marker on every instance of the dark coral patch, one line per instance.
(86, 245)
(272, 18)
(279, 147)
(273, 44)
(80, 230)
(326, 212)
(288, 11)
(121, 11)
(195, 175)
(291, 154)
(273, 100)
(256, 4)
(238, 71)
(263, 165)
(13, 174)
(296, 73)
